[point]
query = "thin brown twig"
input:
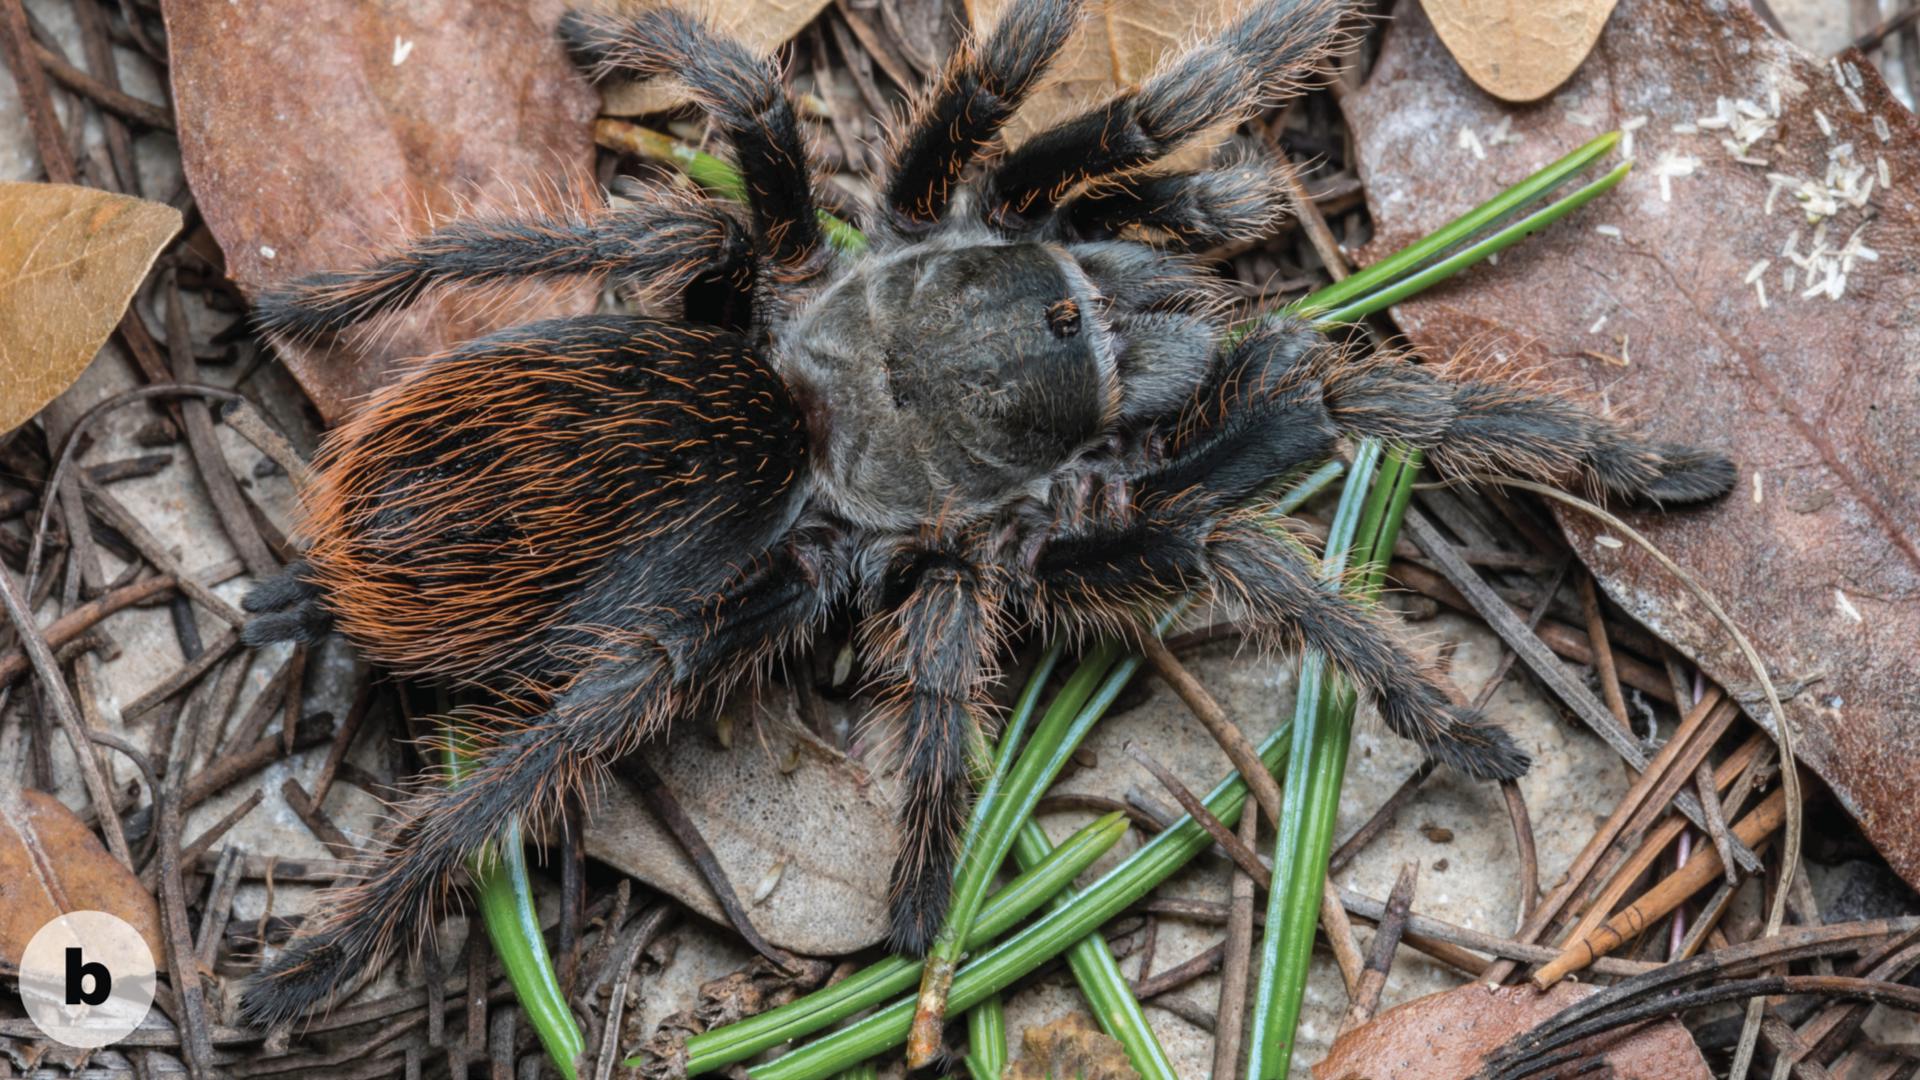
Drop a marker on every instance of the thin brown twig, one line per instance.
(54, 685)
(182, 957)
(16, 43)
(1708, 793)
(1230, 1027)
(317, 821)
(1198, 966)
(1523, 842)
(1386, 941)
(1381, 817)
(653, 790)
(1242, 855)
(1603, 652)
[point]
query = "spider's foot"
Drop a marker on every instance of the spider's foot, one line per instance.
(919, 905)
(285, 608)
(1688, 475)
(1478, 747)
(310, 973)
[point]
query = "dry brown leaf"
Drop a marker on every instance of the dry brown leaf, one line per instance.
(1071, 1048)
(1519, 52)
(52, 864)
(1117, 46)
(761, 25)
(70, 259)
(1816, 553)
(1446, 1034)
(315, 135)
(778, 796)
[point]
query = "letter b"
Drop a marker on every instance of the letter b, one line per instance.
(78, 971)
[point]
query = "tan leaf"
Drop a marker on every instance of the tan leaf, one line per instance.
(1118, 45)
(316, 135)
(1519, 52)
(1696, 298)
(779, 796)
(1071, 1048)
(761, 25)
(52, 864)
(70, 258)
(1449, 1032)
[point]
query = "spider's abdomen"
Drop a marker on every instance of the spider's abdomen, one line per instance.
(505, 501)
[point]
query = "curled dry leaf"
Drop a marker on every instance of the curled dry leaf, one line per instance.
(1117, 46)
(1446, 1035)
(70, 259)
(762, 25)
(1071, 1047)
(1519, 52)
(315, 135)
(1704, 297)
(52, 864)
(778, 794)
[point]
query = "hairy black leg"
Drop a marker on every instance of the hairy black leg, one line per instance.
(1108, 577)
(1255, 416)
(741, 90)
(1193, 211)
(955, 121)
(522, 773)
(1138, 277)
(935, 640)
(662, 243)
(631, 683)
(1478, 428)
(1255, 62)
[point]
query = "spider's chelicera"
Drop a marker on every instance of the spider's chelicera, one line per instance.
(1022, 402)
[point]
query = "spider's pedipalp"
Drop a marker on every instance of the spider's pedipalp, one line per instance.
(936, 645)
(1264, 56)
(662, 243)
(1189, 211)
(957, 119)
(742, 91)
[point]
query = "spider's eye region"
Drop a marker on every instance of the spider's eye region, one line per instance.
(1063, 318)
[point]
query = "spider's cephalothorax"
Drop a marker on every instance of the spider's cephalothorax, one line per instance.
(1022, 402)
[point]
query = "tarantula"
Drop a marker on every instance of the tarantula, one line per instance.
(1022, 401)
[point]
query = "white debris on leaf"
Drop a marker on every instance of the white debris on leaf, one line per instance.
(1846, 606)
(1627, 127)
(1670, 165)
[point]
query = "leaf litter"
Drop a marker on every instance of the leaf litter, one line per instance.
(1760, 274)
